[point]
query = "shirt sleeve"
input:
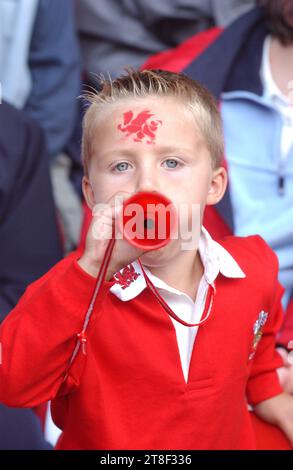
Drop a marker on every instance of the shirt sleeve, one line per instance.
(39, 336)
(263, 381)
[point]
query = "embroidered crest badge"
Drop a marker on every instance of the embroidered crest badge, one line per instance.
(257, 330)
(126, 277)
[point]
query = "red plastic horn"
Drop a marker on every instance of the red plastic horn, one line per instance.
(148, 220)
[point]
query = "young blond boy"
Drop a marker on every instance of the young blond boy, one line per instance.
(144, 380)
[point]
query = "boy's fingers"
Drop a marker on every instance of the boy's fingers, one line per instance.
(113, 207)
(118, 198)
(101, 229)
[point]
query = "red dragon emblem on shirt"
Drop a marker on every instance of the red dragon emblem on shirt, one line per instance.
(127, 276)
(141, 126)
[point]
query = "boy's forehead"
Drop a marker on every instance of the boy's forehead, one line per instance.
(149, 113)
(156, 104)
(154, 122)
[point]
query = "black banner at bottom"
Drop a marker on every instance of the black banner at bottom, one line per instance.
(140, 458)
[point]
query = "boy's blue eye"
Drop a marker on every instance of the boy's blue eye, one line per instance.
(123, 166)
(171, 163)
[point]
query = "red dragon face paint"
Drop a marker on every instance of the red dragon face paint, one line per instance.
(140, 127)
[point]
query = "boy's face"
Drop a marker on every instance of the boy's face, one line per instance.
(152, 144)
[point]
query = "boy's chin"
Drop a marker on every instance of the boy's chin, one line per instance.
(159, 256)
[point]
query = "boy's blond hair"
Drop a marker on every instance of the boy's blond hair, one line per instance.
(156, 83)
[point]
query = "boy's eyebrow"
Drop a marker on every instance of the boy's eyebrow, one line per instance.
(159, 149)
(171, 149)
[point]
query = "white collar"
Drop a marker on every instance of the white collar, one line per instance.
(216, 259)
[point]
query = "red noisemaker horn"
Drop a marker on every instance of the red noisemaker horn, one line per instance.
(148, 220)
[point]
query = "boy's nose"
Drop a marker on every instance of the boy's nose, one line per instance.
(147, 182)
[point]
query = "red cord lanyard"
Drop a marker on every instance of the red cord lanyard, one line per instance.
(100, 279)
(208, 303)
(82, 338)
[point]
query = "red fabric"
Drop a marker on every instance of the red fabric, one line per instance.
(128, 390)
(214, 223)
(180, 57)
(269, 437)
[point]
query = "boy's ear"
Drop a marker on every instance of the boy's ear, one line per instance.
(88, 192)
(218, 186)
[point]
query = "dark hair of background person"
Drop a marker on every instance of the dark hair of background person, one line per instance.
(280, 18)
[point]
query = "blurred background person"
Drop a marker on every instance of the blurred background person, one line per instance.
(30, 242)
(40, 73)
(39, 76)
(119, 33)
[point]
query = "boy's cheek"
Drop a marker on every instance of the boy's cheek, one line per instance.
(103, 190)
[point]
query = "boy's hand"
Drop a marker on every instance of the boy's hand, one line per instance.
(279, 411)
(99, 235)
